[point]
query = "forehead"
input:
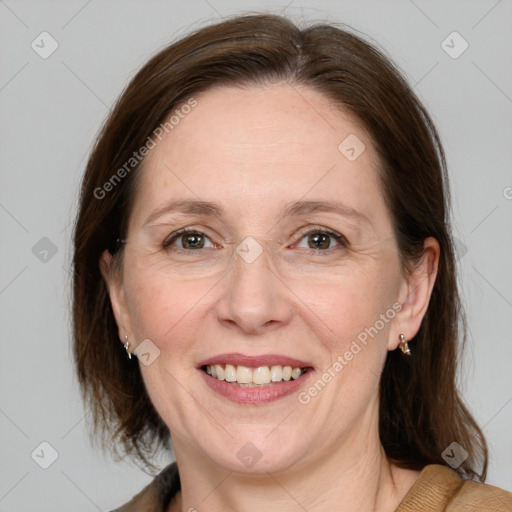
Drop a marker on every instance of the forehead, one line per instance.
(256, 148)
(285, 120)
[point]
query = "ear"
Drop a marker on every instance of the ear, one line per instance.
(117, 295)
(415, 293)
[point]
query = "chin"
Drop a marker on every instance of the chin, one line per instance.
(258, 454)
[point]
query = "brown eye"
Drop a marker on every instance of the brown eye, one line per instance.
(320, 240)
(195, 241)
(189, 239)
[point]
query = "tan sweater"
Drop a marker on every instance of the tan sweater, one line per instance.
(438, 489)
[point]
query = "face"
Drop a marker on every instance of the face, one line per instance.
(272, 279)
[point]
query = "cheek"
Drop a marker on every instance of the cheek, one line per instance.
(160, 307)
(350, 318)
(344, 306)
(168, 312)
(337, 307)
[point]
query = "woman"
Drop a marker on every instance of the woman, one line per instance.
(263, 222)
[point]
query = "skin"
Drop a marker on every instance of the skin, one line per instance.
(253, 150)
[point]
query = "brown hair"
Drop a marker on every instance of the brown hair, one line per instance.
(421, 410)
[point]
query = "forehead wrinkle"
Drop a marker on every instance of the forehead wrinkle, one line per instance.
(187, 207)
(292, 209)
(297, 208)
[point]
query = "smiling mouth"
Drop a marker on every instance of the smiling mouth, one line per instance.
(262, 376)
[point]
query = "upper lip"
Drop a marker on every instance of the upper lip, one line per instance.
(237, 359)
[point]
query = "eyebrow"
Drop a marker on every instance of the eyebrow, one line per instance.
(297, 208)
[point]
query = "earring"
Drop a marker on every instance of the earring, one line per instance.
(404, 347)
(126, 345)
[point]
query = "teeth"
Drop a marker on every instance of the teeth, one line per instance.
(243, 375)
(277, 373)
(296, 373)
(230, 373)
(261, 375)
(220, 372)
(247, 376)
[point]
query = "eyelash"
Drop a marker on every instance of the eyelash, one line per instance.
(343, 242)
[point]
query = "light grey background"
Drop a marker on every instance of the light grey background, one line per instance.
(51, 110)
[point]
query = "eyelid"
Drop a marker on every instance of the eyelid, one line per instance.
(341, 239)
(176, 235)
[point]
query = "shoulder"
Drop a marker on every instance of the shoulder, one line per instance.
(478, 496)
(157, 494)
(440, 489)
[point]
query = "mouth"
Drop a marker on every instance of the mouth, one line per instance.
(254, 380)
(262, 376)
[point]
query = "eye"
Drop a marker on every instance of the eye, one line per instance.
(320, 239)
(190, 239)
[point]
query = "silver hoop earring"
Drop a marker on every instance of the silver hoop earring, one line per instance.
(404, 347)
(126, 346)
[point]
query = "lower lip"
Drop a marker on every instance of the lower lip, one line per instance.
(256, 395)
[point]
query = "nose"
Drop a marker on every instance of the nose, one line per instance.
(254, 298)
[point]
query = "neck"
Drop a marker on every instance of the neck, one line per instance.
(350, 476)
